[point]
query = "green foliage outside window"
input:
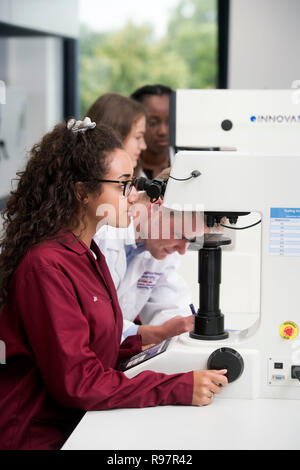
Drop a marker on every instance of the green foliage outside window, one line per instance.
(121, 61)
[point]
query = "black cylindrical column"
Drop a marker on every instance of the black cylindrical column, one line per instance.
(209, 321)
(209, 278)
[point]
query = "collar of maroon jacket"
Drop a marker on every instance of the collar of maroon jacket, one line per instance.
(73, 243)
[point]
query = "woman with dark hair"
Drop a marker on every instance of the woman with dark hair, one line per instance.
(127, 118)
(158, 155)
(60, 318)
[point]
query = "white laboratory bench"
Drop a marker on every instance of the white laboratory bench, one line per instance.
(226, 424)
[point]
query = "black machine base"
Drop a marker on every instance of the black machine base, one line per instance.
(210, 337)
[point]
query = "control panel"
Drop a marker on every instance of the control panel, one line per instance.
(281, 372)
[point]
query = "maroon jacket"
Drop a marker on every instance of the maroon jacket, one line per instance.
(62, 328)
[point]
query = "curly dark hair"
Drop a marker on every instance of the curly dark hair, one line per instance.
(44, 201)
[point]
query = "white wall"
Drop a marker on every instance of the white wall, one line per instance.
(52, 16)
(34, 99)
(32, 68)
(264, 43)
(35, 64)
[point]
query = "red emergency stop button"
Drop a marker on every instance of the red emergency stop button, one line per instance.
(288, 330)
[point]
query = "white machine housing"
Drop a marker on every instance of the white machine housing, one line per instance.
(264, 183)
(262, 120)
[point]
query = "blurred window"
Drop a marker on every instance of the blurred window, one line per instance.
(125, 45)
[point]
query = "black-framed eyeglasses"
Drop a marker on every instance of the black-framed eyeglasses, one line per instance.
(127, 184)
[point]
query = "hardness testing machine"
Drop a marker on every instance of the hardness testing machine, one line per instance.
(238, 152)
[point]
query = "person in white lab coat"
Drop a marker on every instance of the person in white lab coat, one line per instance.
(144, 271)
(147, 283)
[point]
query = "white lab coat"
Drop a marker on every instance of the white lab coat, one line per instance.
(148, 287)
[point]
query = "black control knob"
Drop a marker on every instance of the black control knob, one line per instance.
(226, 125)
(227, 358)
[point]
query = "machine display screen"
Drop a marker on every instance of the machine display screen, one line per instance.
(144, 355)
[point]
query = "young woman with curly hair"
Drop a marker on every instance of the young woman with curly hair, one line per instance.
(60, 318)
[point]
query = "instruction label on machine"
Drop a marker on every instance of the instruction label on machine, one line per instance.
(285, 231)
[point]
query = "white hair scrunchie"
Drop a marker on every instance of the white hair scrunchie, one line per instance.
(80, 126)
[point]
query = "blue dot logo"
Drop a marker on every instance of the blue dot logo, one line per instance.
(253, 118)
